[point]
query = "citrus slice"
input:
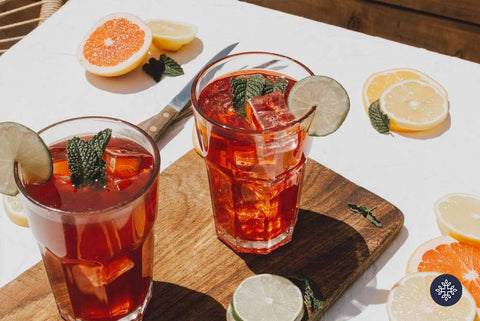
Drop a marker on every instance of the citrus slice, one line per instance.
(377, 83)
(115, 45)
(22, 145)
(330, 98)
(458, 215)
(414, 105)
(171, 35)
(14, 209)
(446, 255)
(410, 300)
(265, 297)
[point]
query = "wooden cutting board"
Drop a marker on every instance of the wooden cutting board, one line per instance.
(195, 274)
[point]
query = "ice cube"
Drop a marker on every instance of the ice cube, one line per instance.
(87, 275)
(118, 184)
(269, 111)
(94, 275)
(122, 165)
(116, 268)
(60, 168)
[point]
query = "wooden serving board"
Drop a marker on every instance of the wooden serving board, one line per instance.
(196, 274)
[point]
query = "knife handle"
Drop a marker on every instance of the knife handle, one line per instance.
(155, 125)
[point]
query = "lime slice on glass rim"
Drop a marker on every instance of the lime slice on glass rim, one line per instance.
(330, 98)
(265, 297)
(19, 144)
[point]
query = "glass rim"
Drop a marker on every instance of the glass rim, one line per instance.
(205, 69)
(148, 184)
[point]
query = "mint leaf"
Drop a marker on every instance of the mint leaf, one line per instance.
(378, 118)
(367, 213)
(244, 88)
(172, 68)
(311, 299)
(100, 141)
(85, 159)
(155, 68)
(271, 86)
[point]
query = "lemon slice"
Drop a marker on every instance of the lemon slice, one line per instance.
(330, 98)
(414, 105)
(21, 144)
(380, 81)
(14, 209)
(265, 297)
(458, 215)
(171, 35)
(410, 300)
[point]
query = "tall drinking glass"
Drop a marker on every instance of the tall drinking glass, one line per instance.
(254, 158)
(97, 243)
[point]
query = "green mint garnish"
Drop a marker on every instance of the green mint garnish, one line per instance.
(378, 118)
(85, 161)
(271, 86)
(164, 65)
(367, 213)
(154, 68)
(244, 88)
(172, 68)
(311, 299)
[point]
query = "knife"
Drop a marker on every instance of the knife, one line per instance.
(156, 125)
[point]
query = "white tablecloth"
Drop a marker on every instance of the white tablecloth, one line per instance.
(41, 82)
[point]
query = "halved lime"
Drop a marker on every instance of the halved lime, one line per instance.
(266, 297)
(24, 146)
(330, 98)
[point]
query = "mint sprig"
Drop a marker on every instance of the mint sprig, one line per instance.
(378, 118)
(311, 297)
(164, 65)
(85, 159)
(367, 213)
(244, 88)
(172, 68)
(274, 85)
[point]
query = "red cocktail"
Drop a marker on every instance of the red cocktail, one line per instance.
(97, 242)
(255, 158)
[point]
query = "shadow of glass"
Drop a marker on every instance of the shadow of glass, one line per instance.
(429, 134)
(137, 80)
(364, 291)
(173, 302)
(329, 258)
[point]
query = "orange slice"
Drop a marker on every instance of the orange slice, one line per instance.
(414, 105)
(171, 35)
(377, 83)
(115, 45)
(446, 255)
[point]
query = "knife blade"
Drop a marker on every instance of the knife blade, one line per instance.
(156, 125)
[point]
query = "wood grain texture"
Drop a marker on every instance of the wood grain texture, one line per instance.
(195, 274)
(158, 123)
(463, 10)
(415, 28)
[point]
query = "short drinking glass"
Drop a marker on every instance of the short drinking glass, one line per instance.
(97, 243)
(254, 154)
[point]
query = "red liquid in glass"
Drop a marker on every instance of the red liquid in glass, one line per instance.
(254, 178)
(99, 264)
